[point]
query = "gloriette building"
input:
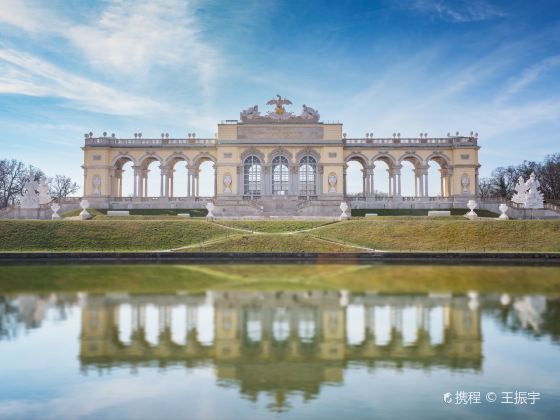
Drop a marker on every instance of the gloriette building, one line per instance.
(279, 163)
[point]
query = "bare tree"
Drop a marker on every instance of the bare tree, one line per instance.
(549, 177)
(62, 186)
(13, 176)
(503, 179)
(486, 188)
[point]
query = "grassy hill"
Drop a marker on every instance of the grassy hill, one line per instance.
(382, 233)
(424, 234)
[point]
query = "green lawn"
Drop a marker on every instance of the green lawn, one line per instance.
(105, 235)
(383, 233)
(271, 243)
(273, 226)
(425, 234)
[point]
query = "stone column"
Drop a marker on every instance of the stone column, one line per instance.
(146, 183)
(170, 176)
(195, 186)
(293, 180)
(162, 181)
(364, 182)
(240, 181)
(215, 180)
(344, 170)
(370, 190)
(426, 183)
(449, 184)
(319, 179)
(136, 170)
(398, 179)
(390, 172)
(120, 184)
(266, 179)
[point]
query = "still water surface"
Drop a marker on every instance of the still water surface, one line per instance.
(242, 342)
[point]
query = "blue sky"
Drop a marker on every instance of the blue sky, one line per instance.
(74, 66)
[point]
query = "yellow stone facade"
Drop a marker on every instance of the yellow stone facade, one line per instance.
(311, 162)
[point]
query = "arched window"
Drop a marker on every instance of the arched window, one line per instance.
(279, 175)
(307, 176)
(252, 171)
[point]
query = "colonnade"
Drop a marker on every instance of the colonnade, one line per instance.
(167, 176)
(395, 183)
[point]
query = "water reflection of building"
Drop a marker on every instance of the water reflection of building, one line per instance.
(282, 342)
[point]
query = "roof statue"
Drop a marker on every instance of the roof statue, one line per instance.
(250, 113)
(309, 113)
(279, 102)
(279, 114)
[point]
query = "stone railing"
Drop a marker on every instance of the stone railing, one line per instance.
(418, 141)
(139, 142)
(362, 197)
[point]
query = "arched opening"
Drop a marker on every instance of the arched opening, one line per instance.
(123, 181)
(410, 176)
(280, 175)
(252, 176)
(151, 178)
(439, 177)
(179, 181)
(307, 176)
(206, 185)
(382, 166)
(355, 177)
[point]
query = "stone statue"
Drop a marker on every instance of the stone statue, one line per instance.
(227, 183)
(534, 196)
(55, 207)
(210, 207)
(96, 184)
(465, 182)
(343, 208)
(521, 192)
(309, 113)
(43, 188)
(332, 182)
(250, 113)
(84, 215)
(30, 199)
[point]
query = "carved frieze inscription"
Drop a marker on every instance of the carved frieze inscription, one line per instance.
(280, 132)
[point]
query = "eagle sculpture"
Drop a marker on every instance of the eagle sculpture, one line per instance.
(279, 102)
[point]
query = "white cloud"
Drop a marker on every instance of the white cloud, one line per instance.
(22, 15)
(529, 76)
(25, 74)
(460, 11)
(129, 38)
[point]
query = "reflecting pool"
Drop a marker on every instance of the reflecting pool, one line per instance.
(279, 341)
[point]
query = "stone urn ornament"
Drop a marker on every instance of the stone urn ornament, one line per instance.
(503, 208)
(210, 207)
(471, 204)
(84, 215)
(55, 207)
(343, 208)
